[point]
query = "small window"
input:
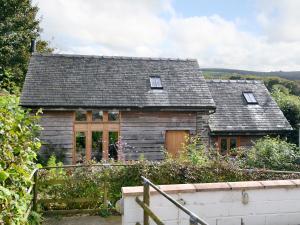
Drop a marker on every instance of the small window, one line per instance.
(113, 116)
(155, 83)
(97, 115)
(80, 116)
(250, 99)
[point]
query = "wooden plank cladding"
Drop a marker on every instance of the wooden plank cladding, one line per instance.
(144, 132)
(57, 134)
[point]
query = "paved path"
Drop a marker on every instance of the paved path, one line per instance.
(82, 220)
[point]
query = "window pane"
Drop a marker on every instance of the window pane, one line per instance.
(155, 82)
(223, 146)
(113, 115)
(252, 98)
(249, 97)
(112, 148)
(97, 115)
(80, 147)
(158, 82)
(152, 81)
(233, 143)
(96, 146)
(80, 116)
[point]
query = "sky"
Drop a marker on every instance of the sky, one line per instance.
(261, 35)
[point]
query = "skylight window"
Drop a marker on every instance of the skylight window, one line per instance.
(250, 99)
(155, 83)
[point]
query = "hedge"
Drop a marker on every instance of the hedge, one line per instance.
(18, 147)
(88, 182)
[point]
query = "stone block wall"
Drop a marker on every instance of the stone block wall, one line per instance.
(232, 203)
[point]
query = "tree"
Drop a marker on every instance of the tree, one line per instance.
(18, 27)
(290, 106)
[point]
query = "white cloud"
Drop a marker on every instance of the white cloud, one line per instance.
(118, 25)
(152, 28)
(216, 42)
(280, 19)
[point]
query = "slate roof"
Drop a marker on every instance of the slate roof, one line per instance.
(233, 114)
(55, 80)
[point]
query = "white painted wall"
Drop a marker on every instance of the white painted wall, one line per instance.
(265, 203)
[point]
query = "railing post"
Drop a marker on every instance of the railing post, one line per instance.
(146, 200)
(35, 191)
(105, 198)
(193, 221)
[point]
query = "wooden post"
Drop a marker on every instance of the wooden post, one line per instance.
(105, 199)
(88, 144)
(149, 212)
(105, 136)
(146, 200)
(35, 191)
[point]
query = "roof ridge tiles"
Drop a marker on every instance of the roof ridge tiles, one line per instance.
(114, 57)
(234, 81)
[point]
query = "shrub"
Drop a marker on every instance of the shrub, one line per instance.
(290, 106)
(273, 153)
(48, 150)
(194, 151)
(88, 182)
(18, 147)
(195, 165)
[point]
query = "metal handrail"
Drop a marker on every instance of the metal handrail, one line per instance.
(194, 219)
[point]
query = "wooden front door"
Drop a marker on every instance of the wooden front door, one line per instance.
(175, 140)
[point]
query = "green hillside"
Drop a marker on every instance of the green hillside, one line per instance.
(214, 72)
(270, 80)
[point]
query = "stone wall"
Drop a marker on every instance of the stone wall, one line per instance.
(203, 127)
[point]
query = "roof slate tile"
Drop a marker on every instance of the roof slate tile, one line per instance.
(55, 80)
(234, 114)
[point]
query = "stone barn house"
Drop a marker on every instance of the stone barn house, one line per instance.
(145, 104)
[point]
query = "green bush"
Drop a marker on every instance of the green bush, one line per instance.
(88, 183)
(195, 164)
(18, 147)
(273, 153)
(290, 106)
(194, 151)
